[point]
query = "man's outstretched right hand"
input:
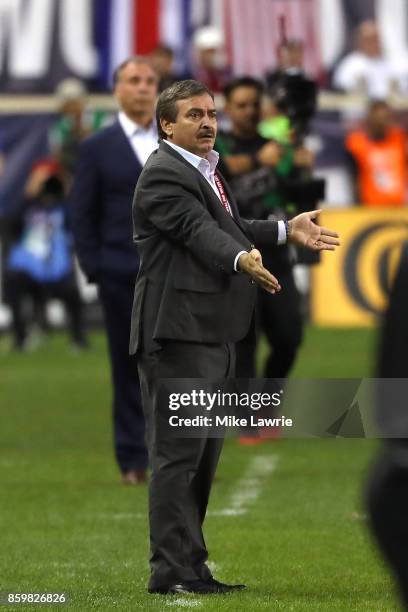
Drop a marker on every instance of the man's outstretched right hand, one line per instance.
(251, 264)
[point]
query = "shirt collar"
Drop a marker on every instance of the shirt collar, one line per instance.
(196, 160)
(131, 128)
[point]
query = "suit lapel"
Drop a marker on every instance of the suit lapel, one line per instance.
(216, 203)
(123, 141)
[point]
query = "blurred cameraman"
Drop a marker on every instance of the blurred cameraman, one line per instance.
(254, 165)
(290, 60)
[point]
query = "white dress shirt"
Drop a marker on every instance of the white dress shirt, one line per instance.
(207, 168)
(142, 140)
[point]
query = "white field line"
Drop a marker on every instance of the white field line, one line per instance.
(248, 488)
(115, 516)
(68, 564)
(185, 603)
(358, 516)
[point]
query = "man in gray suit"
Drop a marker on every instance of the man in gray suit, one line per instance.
(194, 299)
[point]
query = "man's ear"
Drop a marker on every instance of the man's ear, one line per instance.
(167, 127)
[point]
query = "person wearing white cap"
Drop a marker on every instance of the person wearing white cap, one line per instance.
(210, 69)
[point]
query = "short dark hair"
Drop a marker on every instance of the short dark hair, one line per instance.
(244, 81)
(163, 50)
(167, 102)
(134, 59)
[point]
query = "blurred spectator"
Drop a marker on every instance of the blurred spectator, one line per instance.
(75, 122)
(289, 60)
(162, 58)
(209, 68)
(292, 96)
(378, 153)
(367, 70)
(109, 165)
(388, 486)
(247, 160)
(40, 264)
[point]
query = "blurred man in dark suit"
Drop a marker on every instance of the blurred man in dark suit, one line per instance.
(194, 298)
(388, 491)
(109, 165)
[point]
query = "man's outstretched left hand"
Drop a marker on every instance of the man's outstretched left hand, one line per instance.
(303, 231)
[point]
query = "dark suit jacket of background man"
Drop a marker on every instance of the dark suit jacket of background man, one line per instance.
(101, 202)
(104, 185)
(189, 308)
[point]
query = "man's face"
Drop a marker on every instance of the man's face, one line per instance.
(369, 39)
(295, 56)
(244, 109)
(136, 89)
(73, 108)
(380, 119)
(207, 58)
(195, 127)
(162, 62)
(290, 56)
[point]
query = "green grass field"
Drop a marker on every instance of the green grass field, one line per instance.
(286, 517)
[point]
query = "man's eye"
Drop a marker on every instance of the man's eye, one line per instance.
(194, 115)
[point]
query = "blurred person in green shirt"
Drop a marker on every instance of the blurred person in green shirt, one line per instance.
(75, 122)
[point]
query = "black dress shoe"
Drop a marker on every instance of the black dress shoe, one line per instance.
(222, 587)
(191, 586)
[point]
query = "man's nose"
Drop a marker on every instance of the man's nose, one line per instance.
(143, 86)
(208, 121)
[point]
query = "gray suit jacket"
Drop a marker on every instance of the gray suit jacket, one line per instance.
(186, 288)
